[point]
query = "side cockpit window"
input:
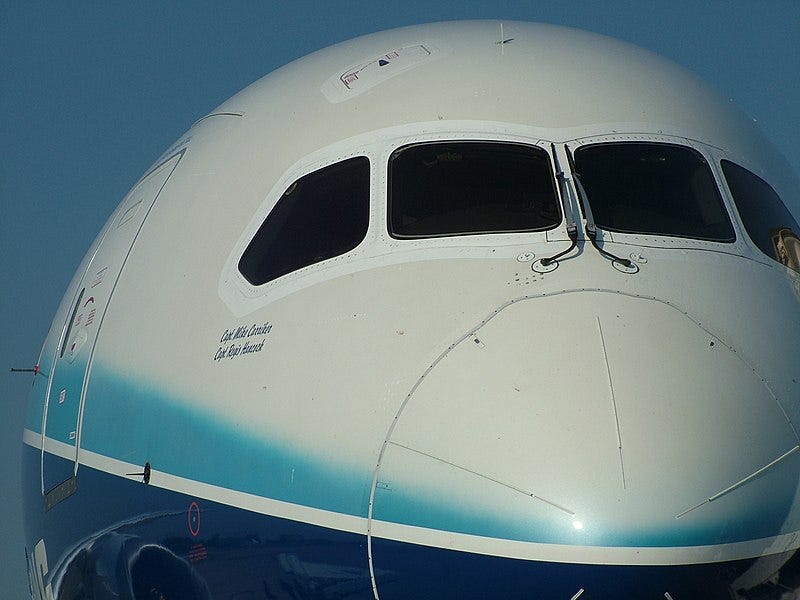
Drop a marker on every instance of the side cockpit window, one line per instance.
(464, 188)
(765, 217)
(653, 189)
(319, 216)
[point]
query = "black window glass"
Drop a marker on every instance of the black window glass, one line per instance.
(765, 217)
(654, 189)
(321, 215)
(461, 188)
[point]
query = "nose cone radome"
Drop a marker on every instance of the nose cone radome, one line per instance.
(592, 418)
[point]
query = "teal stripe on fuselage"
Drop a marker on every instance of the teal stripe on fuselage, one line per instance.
(135, 422)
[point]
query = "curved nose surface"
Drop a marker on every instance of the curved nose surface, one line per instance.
(592, 418)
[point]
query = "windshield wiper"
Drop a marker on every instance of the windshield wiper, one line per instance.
(572, 227)
(591, 227)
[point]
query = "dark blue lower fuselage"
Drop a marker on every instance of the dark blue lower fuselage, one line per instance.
(119, 538)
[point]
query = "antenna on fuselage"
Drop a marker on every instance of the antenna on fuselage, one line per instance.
(145, 474)
(503, 40)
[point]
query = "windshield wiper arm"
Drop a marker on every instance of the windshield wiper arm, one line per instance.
(572, 227)
(591, 227)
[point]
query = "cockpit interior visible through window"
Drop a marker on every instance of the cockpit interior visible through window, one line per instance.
(765, 217)
(464, 188)
(319, 216)
(653, 189)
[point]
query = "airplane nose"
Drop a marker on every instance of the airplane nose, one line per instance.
(591, 418)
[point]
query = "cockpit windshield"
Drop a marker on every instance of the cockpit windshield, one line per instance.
(463, 188)
(654, 189)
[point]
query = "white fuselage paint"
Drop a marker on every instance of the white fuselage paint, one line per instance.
(599, 406)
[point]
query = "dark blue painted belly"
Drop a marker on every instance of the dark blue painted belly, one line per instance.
(120, 539)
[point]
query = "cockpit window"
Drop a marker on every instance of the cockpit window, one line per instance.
(463, 188)
(765, 217)
(321, 215)
(653, 189)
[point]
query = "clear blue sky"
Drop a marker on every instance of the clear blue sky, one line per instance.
(91, 93)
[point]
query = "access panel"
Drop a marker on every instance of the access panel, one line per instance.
(72, 361)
